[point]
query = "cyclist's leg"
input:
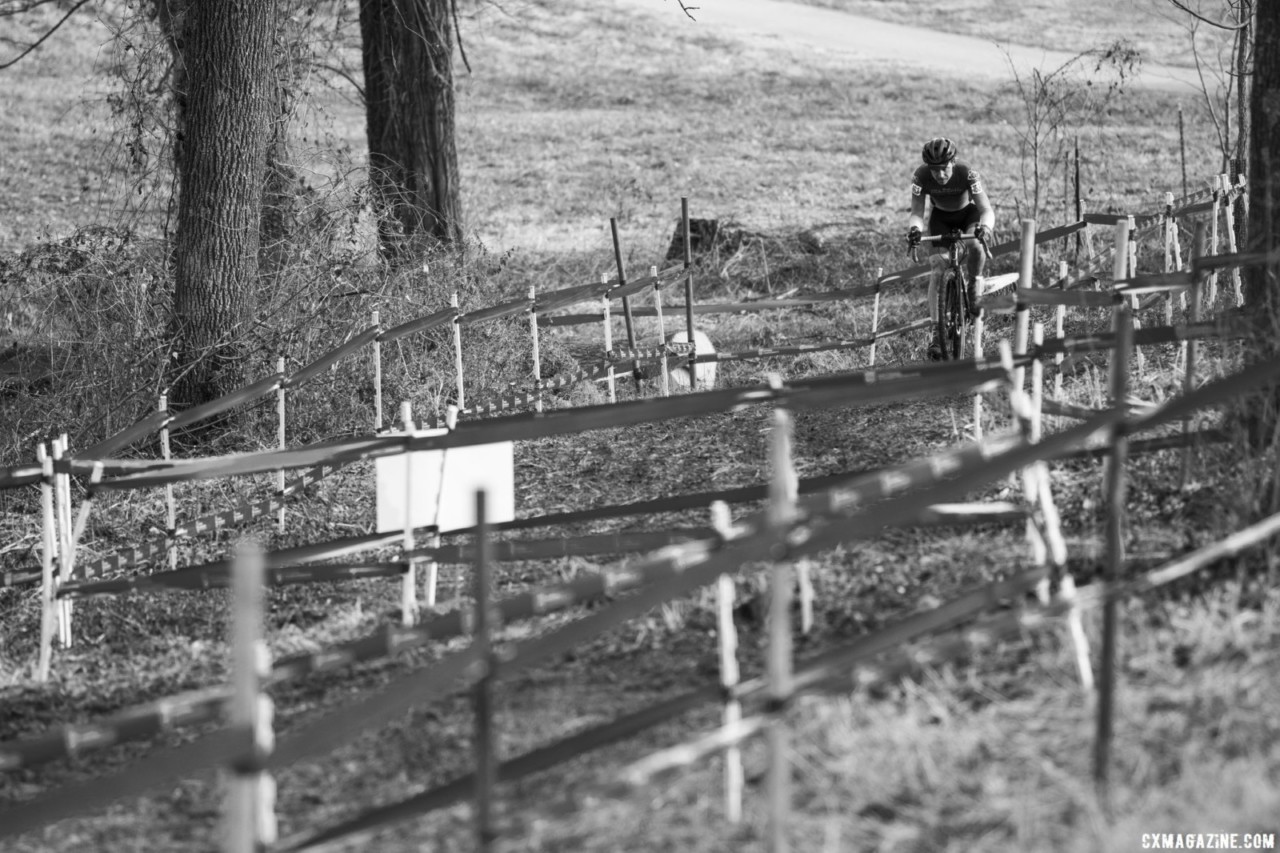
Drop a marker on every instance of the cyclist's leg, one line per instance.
(977, 258)
(976, 261)
(940, 222)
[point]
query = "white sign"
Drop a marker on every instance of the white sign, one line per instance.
(445, 483)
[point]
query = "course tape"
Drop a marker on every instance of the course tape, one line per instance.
(801, 349)
(206, 705)
(1003, 303)
(863, 511)
(882, 499)
(210, 750)
(443, 317)
(208, 523)
(220, 578)
(851, 668)
(749, 691)
(859, 387)
(1226, 326)
(521, 399)
(802, 300)
(305, 374)
(206, 574)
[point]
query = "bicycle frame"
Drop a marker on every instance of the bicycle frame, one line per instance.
(953, 292)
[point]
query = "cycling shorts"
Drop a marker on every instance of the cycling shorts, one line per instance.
(943, 221)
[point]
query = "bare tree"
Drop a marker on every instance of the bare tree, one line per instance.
(1222, 45)
(1056, 102)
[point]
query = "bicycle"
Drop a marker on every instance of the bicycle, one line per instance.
(953, 291)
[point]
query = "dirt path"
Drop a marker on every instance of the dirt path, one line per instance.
(839, 37)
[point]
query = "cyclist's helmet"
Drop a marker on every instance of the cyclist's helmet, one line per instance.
(938, 151)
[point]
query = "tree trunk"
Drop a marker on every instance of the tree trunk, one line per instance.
(1264, 175)
(413, 159)
(1244, 80)
(221, 166)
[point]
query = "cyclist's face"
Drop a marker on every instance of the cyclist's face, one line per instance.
(943, 173)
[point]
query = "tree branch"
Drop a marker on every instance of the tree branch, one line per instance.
(1238, 26)
(43, 38)
(688, 10)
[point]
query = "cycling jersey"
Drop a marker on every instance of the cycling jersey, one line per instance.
(963, 189)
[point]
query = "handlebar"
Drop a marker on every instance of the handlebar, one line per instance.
(950, 239)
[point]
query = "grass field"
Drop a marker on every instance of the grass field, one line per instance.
(573, 115)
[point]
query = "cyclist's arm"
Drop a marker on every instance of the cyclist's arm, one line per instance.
(986, 213)
(916, 220)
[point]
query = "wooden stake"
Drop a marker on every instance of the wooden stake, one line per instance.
(1193, 348)
(1026, 281)
(1231, 244)
(1037, 382)
(1212, 248)
(432, 569)
(662, 332)
(1020, 410)
(1170, 225)
(1079, 203)
(171, 509)
(1182, 150)
(688, 292)
(1059, 329)
(48, 587)
(875, 315)
(457, 348)
(486, 752)
(626, 300)
(82, 518)
(377, 374)
(781, 509)
(1088, 236)
(1120, 260)
(727, 632)
(1115, 490)
(409, 583)
(608, 341)
(251, 791)
(979, 326)
(280, 435)
(537, 355)
(1131, 265)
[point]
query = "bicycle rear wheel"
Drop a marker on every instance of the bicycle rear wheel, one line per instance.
(951, 316)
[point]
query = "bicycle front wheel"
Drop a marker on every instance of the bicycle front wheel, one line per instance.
(951, 315)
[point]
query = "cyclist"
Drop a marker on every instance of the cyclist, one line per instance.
(958, 202)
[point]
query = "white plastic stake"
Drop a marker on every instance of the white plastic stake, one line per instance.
(409, 584)
(457, 348)
(1026, 281)
(251, 791)
(62, 508)
(377, 374)
(875, 316)
(727, 632)
(608, 340)
(171, 513)
(280, 437)
(662, 332)
(48, 587)
(778, 665)
(537, 355)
